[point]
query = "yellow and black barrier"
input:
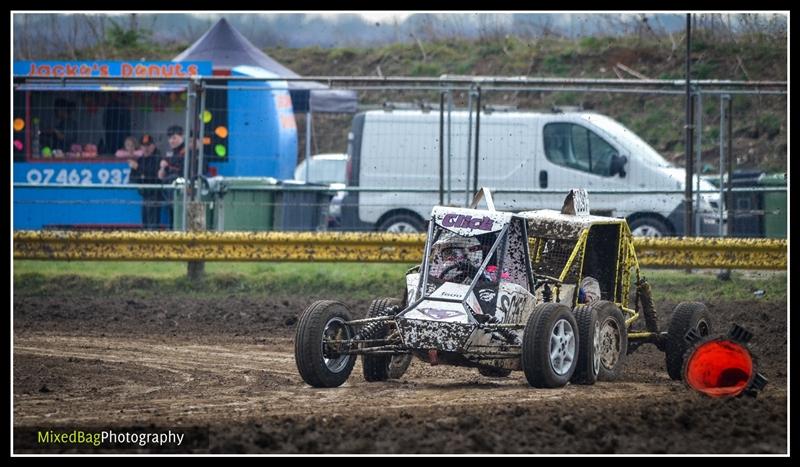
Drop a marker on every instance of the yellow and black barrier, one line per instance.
(704, 252)
(724, 253)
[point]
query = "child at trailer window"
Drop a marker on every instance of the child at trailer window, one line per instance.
(75, 151)
(131, 149)
(89, 151)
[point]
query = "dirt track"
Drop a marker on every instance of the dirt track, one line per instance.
(227, 364)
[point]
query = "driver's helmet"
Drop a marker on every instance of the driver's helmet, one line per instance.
(452, 250)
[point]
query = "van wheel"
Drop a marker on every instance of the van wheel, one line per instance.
(401, 223)
(649, 227)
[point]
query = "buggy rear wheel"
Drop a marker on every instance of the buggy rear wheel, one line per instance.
(319, 362)
(687, 316)
(383, 367)
(550, 346)
(613, 340)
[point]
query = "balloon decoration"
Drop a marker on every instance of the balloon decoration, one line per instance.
(221, 131)
(19, 124)
(206, 116)
(18, 145)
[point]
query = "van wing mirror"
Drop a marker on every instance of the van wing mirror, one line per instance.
(618, 165)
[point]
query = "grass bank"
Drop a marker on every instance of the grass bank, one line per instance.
(345, 280)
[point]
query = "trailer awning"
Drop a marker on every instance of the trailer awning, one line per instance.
(87, 87)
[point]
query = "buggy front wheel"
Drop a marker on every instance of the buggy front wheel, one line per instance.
(550, 346)
(318, 344)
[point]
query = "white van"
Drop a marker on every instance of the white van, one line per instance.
(545, 154)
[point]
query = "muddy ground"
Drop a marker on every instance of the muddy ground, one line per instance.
(226, 365)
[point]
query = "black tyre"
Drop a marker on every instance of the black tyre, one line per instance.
(649, 226)
(685, 317)
(402, 223)
(550, 346)
(494, 372)
(399, 364)
(588, 352)
(612, 340)
(318, 363)
(376, 367)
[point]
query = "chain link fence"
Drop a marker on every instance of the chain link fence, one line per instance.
(412, 144)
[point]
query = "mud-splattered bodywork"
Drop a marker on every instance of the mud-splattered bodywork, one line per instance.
(525, 259)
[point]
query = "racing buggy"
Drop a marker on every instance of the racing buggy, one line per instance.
(545, 292)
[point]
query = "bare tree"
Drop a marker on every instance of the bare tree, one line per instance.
(97, 28)
(56, 32)
(491, 27)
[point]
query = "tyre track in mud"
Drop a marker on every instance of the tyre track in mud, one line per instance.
(204, 383)
(118, 362)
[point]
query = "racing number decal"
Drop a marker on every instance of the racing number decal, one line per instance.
(512, 307)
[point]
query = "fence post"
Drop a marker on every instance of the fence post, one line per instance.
(699, 151)
(194, 213)
(688, 224)
(187, 158)
(449, 146)
(467, 196)
(477, 138)
(729, 159)
(441, 148)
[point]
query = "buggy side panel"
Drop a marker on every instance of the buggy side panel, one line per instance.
(514, 304)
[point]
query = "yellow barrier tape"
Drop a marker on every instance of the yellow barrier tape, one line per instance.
(724, 253)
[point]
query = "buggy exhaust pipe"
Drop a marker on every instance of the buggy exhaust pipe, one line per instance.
(722, 366)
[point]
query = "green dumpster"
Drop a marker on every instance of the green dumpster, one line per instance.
(245, 203)
(300, 206)
(775, 203)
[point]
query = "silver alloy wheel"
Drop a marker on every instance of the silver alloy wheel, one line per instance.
(335, 329)
(596, 348)
(562, 347)
(402, 227)
(610, 343)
